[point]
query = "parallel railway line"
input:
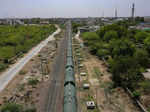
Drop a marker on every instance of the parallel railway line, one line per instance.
(55, 92)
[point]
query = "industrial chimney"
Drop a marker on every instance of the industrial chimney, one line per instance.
(133, 9)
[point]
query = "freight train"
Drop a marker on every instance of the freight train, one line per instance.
(70, 101)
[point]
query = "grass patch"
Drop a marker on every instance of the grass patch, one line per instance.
(21, 87)
(107, 85)
(30, 109)
(97, 72)
(95, 110)
(33, 82)
(22, 72)
(90, 98)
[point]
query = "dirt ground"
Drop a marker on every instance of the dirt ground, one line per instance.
(107, 98)
(30, 85)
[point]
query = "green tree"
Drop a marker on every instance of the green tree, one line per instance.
(142, 57)
(125, 71)
(136, 94)
(145, 86)
(90, 37)
(102, 53)
(75, 26)
(147, 43)
(121, 30)
(110, 35)
(140, 36)
(122, 47)
(6, 52)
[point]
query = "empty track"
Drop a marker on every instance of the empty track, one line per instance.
(55, 92)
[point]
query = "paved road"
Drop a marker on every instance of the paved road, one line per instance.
(7, 76)
(55, 94)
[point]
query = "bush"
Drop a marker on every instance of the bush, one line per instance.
(148, 109)
(31, 109)
(140, 36)
(142, 57)
(21, 87)
(11, 107)
(136, 94)
(22, 72)
(147, 43)
(33, 81)
(90, 36)
(102, 53)
(3, 66)
(145, 86)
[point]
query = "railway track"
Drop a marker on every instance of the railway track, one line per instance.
(55, 93)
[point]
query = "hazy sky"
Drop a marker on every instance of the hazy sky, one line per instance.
(71, 8)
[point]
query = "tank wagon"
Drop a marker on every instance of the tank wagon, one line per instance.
(70, 101)
(70, 98)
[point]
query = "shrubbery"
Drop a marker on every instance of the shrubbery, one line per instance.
(33, 82)
(2, 66)
(13, 107)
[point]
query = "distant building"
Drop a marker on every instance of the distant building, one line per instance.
(144, 26)
(83, 29)
(88, 28)
(119, 19)
(44, 22)
(94, 28)
(11, 22)
(147, 19)
(132, 27)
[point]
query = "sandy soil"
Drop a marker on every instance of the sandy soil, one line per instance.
(108, 100)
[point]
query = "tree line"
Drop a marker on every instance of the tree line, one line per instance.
(20, 39)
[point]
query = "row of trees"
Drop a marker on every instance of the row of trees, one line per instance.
(126, 51)
(19, 39)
